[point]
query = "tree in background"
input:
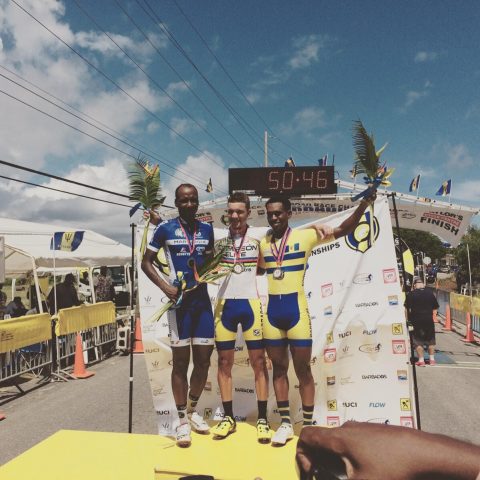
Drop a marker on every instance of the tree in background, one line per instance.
(472, 238)
(424, 242)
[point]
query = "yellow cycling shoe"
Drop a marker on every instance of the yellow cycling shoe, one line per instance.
(224, 428)
(264, 434)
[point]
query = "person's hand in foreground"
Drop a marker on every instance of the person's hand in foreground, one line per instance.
(376, 451)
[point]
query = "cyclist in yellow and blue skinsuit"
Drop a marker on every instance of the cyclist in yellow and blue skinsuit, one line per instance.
(284, 255)
(238, 304)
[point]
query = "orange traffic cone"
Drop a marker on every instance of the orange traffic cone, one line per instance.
(469, 334)
(2, 416)
(138, 343)
(79, 370)
(448, 319)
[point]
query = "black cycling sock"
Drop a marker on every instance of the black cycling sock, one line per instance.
(228, 408)
(262, 409)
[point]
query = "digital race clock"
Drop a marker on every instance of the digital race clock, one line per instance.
(294, 181)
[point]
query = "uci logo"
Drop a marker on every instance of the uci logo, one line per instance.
(359, 239)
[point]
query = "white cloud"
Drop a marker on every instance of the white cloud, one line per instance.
(32, 139)
(305, 122)
(182, 126)
(306, 50)
(153, 127)
(41, 205)
(424, 56)
(99, 42)
(197, 169)
(253, 97)
(424, 171)
(458, 156)
(37, 56)
(473, 111)
(215, 43)
(413, 96)
(468, 190)
(278, 69)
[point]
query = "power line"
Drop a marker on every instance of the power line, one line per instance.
(204, 105)
(111, 80)
(94, 126)
(56, 177)
(154, 82)
(160, 24)
(64, 191)
(137, 146)
(222, 66)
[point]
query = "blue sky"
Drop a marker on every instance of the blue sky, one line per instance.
(408, 70)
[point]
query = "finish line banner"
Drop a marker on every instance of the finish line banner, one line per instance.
(360, 349)
(448, 223)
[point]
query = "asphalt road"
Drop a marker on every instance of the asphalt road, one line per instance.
(448, 396)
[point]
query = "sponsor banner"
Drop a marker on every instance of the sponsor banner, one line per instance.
(83, 317)
(465, 303)
(449, 222)
(20, 332)
(360, 348)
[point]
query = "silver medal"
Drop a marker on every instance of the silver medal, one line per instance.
(238, 268)
(278, 274)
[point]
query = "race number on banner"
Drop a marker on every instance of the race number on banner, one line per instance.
(360, 340)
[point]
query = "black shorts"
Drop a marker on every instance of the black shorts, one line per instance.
(424, 335)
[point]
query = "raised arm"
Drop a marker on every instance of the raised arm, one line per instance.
(348, 225)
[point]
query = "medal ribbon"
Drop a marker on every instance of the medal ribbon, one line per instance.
(279, 253)
(236, 251)
(191, 246)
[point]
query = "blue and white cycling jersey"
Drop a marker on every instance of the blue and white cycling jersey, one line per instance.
(192, 321)
(170, 235)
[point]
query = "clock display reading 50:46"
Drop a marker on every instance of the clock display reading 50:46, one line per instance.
(286, 181)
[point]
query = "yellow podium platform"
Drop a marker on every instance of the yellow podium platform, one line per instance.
(79, 455)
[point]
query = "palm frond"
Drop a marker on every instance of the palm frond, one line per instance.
(367, 159)
(144, 182)
(212, 269)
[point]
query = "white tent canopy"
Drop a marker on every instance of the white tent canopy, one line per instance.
(27, 246)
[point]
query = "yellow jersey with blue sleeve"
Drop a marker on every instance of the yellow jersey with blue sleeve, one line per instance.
(288, 319)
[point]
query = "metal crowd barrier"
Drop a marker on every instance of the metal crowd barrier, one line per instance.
(25, 346)
(96, 324)
(45, 345)
(443, 299)
(459, 306)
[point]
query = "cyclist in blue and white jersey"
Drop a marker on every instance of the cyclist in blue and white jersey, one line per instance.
(185, 240)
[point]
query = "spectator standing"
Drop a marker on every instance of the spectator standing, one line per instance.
(104, 291)
(3, 301)
(420, 305)
(66, 295)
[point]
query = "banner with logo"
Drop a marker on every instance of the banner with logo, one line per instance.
(360, 351)
(447, 222)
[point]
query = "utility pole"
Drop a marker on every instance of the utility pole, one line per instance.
(265, 149)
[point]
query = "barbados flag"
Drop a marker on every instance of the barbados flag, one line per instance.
(414, 184)
(322, 162)
(66, 241)
(445, 188)
(209, 188)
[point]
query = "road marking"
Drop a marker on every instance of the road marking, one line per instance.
(473, 366)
